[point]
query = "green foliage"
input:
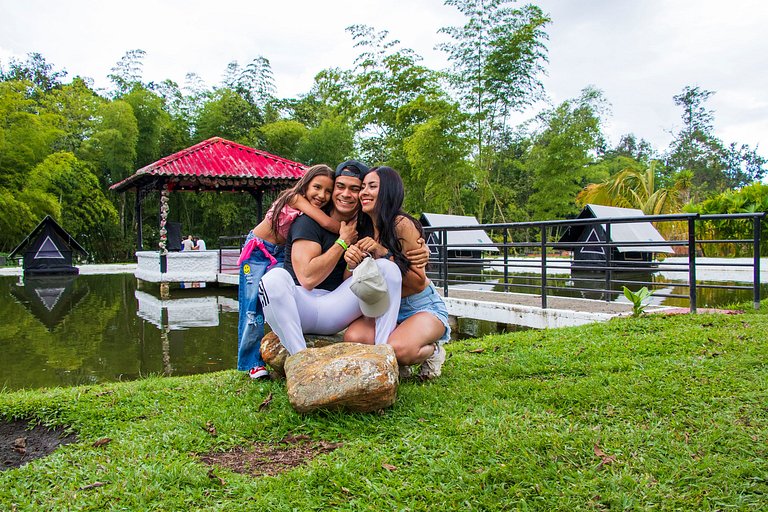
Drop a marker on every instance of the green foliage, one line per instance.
(227, 114)
(84, 208)
(714, 166)
(282, 138)
(26, 134)
(112, 148)
(656, 412)
(331, 142)
(562, 153)
(749, 199)
(637, 298)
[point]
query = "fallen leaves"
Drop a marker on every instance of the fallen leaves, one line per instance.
(477, 351)
(389, 467)
(101, 442)
(216, 478)
(211, 428)
(94, 485)
(263, 405)
(605, 459)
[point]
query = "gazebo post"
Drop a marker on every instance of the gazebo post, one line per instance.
(139, 223)
(258, 195)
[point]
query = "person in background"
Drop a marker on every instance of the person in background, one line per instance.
(199, 244)
(187, 244)
(423, 317)
(264, 250)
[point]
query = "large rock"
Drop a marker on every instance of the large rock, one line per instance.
(274, 353)
(342, 376)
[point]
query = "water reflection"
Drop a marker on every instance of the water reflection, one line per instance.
(99, 328)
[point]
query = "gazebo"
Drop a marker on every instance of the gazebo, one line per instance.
(215, 164)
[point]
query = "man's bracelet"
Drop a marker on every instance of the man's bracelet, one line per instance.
(388, 255)
(342, 243)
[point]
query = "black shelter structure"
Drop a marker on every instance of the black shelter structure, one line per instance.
(463, 247)
(641, 240)
(48, 249)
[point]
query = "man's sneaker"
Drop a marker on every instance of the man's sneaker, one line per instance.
(432, 367)
(258, 372)
(404, 372)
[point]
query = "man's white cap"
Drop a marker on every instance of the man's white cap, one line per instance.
(371, 288)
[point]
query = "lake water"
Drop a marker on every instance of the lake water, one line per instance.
(96, 328)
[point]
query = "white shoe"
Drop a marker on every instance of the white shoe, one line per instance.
(432, 367)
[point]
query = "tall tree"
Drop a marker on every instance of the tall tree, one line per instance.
(562, 154)
(715, 167)
(498, 57)
(127, 72)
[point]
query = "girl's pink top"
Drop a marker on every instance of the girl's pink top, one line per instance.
(286, 217)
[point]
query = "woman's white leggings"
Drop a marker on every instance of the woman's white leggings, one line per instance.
(291, 310)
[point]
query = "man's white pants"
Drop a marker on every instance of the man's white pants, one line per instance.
(291, 310)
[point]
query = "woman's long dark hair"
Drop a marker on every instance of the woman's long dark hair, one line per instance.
(300, 187)
(389, 206)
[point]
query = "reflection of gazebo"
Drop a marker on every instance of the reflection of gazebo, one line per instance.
(215, 164)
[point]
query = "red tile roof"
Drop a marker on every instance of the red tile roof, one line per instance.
(218, 163)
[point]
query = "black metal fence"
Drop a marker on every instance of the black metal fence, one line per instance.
(530, 257)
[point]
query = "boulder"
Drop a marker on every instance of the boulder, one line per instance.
(342, 376)
(274, 353)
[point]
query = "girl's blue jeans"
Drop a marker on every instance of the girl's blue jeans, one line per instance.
(250, 327)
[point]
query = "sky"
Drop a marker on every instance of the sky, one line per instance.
(640, 53)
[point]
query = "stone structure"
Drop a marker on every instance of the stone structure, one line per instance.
(347, 376)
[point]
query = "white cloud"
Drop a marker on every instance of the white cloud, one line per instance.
(639, 53)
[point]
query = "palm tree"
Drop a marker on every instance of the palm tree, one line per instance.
(632, 188)
(636, 188)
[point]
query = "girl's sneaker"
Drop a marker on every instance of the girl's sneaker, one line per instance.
(432, 367)
(258, 372)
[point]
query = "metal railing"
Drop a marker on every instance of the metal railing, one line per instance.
(533, 258)
(229, 252)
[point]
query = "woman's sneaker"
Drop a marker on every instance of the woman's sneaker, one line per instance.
(258, 372)
(432, 367)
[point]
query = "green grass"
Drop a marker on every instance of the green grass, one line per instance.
(680, 402)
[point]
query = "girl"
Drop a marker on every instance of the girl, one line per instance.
(263, 250)
(423, 316)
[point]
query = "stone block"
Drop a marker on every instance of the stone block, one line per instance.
(347, 376)
(274, 353)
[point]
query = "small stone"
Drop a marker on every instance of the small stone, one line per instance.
(348, 376)
(273, 353)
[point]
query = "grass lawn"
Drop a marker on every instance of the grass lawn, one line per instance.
(658, 412)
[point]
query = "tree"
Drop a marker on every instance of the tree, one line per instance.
(27, 134)
(255, 83)
(562, 154)
(113, 145)
(329, 143)
(36, 71)
(85, 210)
(497, 57)
(282, 138)
(229, 115)
(715, 166)
(127, 72)
(151, 121)
(632, 188)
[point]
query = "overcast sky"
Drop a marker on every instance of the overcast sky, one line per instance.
(640, 53)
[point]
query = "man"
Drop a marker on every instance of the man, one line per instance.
(310, 294)
(187, 244)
